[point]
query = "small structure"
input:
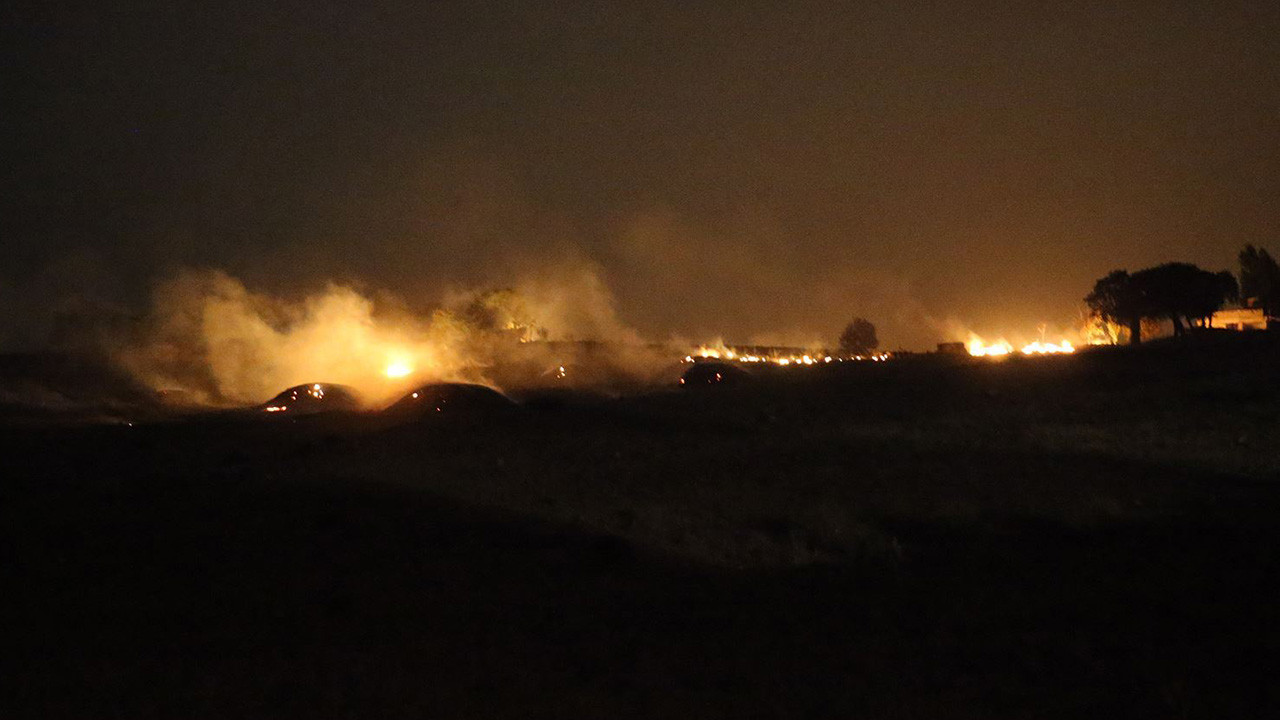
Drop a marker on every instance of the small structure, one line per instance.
(1241, 318)
(952, 348)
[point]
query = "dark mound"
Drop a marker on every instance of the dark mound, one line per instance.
(59, 388)
(714, 373)
(561, 398)
(312, 398)
(451, 400)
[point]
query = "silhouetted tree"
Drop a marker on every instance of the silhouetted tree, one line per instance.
(1260, 278)
(1183, 293)
(858, 338)
(1117, 299)
(1207, 295)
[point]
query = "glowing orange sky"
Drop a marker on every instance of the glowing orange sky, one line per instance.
(758, 171)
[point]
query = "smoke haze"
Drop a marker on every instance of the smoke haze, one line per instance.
(209, 336)
(757, 172)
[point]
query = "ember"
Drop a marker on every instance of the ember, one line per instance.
(313, 398)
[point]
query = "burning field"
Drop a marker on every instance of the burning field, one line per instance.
(675, 360)
(209, 342)
(260, 507)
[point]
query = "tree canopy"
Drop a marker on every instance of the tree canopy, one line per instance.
(1260, 279)
(1116, 299)
(1182, 293)
(858, 338)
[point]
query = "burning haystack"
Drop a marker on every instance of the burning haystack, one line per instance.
(313, 398)
(451, 400)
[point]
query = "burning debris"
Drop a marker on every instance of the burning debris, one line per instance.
(313, 398)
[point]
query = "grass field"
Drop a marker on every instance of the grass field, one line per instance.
(1093, 535)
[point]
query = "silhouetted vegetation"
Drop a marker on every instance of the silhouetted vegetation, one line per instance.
(1260, 279)
(1115, 299)
(1182, 293)
(858, 338)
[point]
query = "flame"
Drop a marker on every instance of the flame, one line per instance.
(979, 348)
(397, 369)
(722, 352)
(1047, 348)
(1097, 331)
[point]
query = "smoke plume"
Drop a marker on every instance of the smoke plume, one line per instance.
(210, 336)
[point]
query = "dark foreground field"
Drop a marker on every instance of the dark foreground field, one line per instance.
(1093, 536)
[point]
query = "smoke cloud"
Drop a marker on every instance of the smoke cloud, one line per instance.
(208, 335)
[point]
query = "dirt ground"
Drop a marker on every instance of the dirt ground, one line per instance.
(1080, 536)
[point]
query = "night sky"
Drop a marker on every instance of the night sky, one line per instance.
(761, 171)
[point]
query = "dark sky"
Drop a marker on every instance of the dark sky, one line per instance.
(757, 170)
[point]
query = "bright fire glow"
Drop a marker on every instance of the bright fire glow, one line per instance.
(397, 369)
(720, 352)
(1044, 348)
(979, 348)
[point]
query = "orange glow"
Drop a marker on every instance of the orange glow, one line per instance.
(979, 348)
(721, 352)
(1043, 348)
(397, 369)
